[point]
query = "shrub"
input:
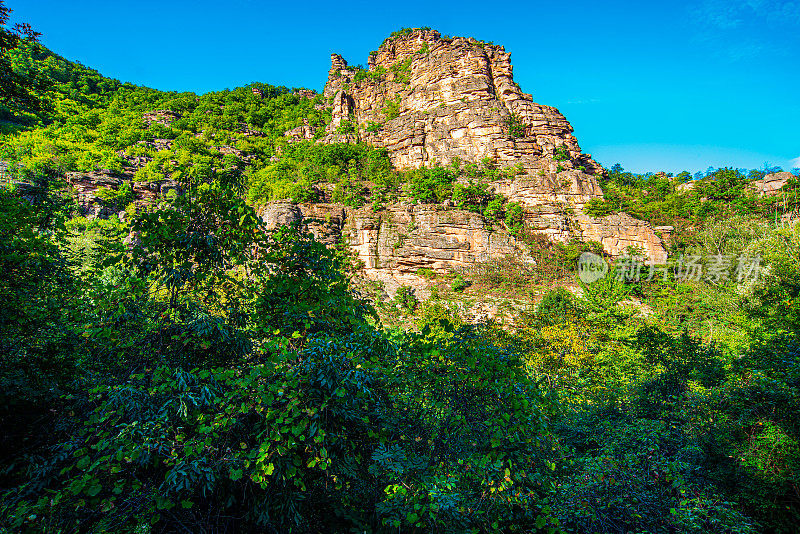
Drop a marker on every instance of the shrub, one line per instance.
(392, 108)
(406, 299)
(459, 284)
(515, 218)
(431, 186)
(426, 273)
(117, 198)
(561, 153)
(346, 127)
(516, 128)
(597, 207)
(556, 306)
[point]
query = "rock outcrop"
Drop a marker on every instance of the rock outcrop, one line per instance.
(437, 98)
(164, 117)
(771, 184)
(87, 188)
(430, 100)
(624, 233)
(393, 244)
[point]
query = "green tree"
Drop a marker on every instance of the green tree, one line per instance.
(17, 88)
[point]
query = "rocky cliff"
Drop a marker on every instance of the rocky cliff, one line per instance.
(395, 243)
(429, 100)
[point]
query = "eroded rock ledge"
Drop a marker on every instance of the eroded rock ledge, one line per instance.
(393, 244)
(429, 100)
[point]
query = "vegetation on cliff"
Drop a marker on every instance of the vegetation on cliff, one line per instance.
(209, 374)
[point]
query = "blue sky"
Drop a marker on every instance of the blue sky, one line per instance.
(652, 85)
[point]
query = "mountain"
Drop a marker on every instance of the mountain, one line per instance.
(431, 157)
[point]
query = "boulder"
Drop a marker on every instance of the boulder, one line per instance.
(771, 184)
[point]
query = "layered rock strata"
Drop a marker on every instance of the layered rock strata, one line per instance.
(395, 243)
(771, 184)
(430, 100)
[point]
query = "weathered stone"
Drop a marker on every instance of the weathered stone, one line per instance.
(304, 132)
(771, 184)
(440, 99)
(164, 117)
(619, 233)
(279, 213)
(395, 243)
(306, 93)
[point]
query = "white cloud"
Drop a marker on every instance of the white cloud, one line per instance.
(722, 26)
(795, 163)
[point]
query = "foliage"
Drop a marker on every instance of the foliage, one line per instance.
(406, 299)
(392, 108)
(516, 127)
(18, 86)
(555, 259)
(209, 374)
(459, 284)
(561, 153)
(515, 218)
(688, 204)
(556, 306)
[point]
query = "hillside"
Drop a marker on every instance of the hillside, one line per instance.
(356, 310)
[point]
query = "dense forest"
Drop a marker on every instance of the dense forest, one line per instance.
(215, 376)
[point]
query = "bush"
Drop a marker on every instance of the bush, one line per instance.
(597, 207)
(117, 198)
(556, 306)
(406, 299)
(561, 153)
(430, 186)
(516, 127)
(392, 108)
(515, 218)
(459, 284)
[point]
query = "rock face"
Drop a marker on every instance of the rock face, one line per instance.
(622, 232)
(86, 187)
(304, 132)
(771, 184)
(164, 117)
(430, 100)
(395, 243)
(437, 99)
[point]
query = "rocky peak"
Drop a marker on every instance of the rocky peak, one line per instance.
(439, 98)
(430, 100)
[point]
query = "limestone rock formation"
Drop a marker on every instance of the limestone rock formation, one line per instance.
(439, 98)
(305, 93)
(304, 132)
(430, 100)
(395, 243)
(771, 184)
(87, 185)
(624, 233)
